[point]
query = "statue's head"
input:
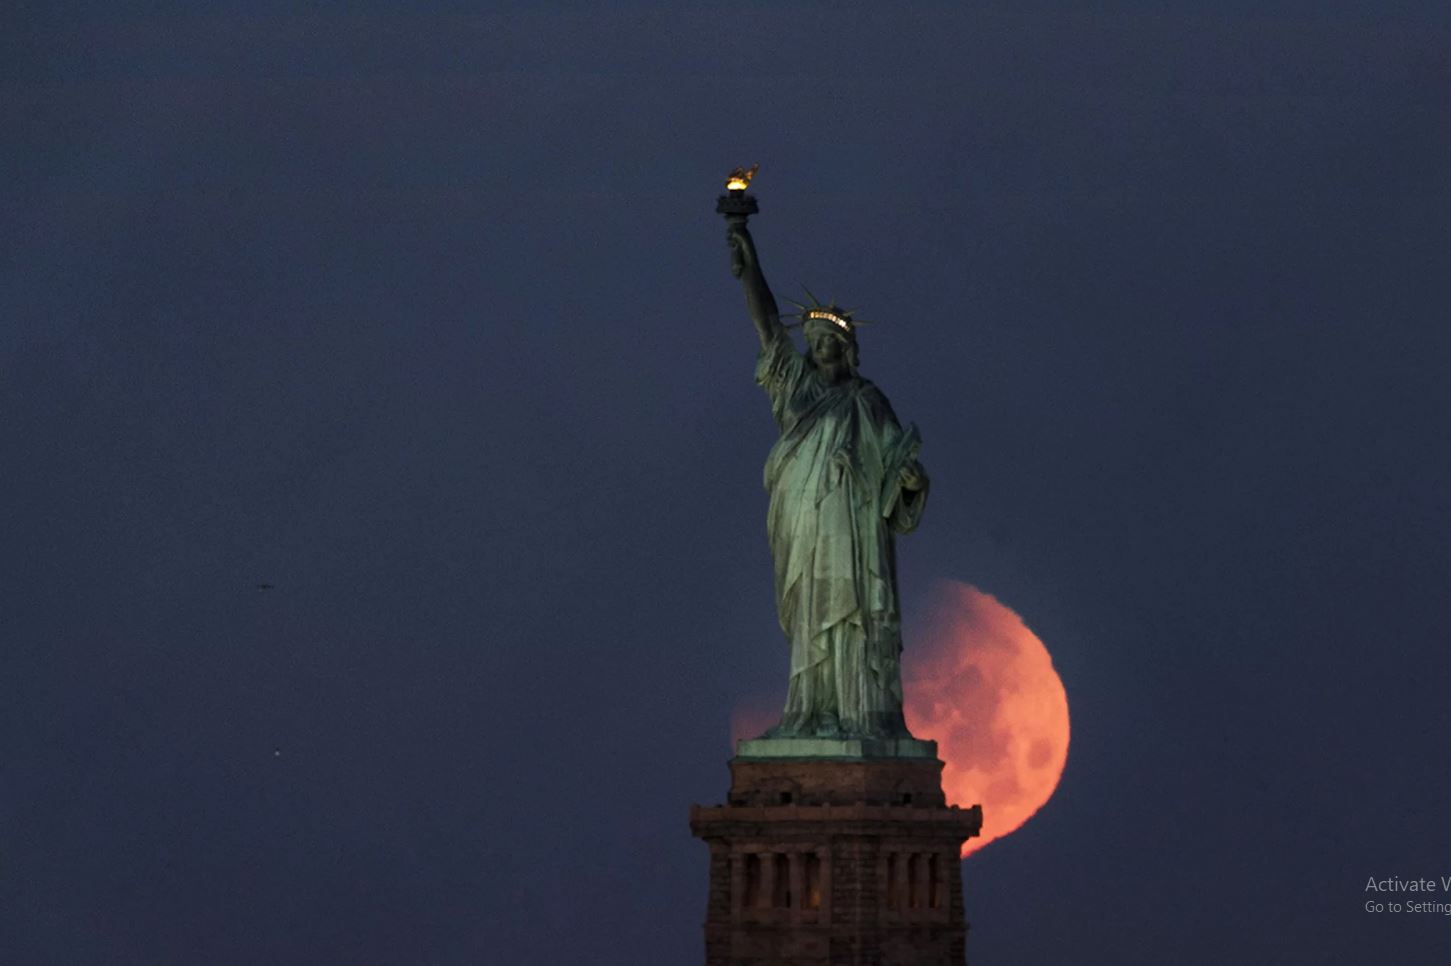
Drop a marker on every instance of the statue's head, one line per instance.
(830, 343)
(830, 332)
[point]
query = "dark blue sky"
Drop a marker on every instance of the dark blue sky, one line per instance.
(425, 318)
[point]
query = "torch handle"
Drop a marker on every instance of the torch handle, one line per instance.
(738, 264)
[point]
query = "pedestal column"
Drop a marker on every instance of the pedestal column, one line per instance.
(886, 843)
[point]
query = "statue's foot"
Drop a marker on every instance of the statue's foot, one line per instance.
(790, 726)
(828, 726)
(883, 725)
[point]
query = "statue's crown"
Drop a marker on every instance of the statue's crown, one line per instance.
(832, 314)
(825, 313)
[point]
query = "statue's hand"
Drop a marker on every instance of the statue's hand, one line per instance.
(912, 477)
(743, 251)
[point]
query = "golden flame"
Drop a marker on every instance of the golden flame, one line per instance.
(740, 178)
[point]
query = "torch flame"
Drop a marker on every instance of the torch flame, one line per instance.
(740, 178)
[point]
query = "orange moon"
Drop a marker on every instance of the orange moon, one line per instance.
(983, 686)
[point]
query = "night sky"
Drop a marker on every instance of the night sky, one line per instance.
(425, 319)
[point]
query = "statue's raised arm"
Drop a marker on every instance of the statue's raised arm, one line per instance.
(747, 267)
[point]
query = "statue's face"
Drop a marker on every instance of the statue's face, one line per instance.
(827, 347)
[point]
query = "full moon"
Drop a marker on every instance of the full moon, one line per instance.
(983, 685)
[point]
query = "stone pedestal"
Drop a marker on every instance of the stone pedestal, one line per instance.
(847, 860)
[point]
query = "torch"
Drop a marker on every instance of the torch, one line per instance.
(737, 206)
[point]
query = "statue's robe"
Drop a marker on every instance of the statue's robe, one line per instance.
(835, 502)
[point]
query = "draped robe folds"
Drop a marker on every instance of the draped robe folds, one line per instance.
(835, 502)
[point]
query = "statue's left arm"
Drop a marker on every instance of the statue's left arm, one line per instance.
(912, 483)
(913, 477)
(904, 481)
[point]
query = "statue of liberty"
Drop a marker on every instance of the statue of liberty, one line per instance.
(843, 479)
